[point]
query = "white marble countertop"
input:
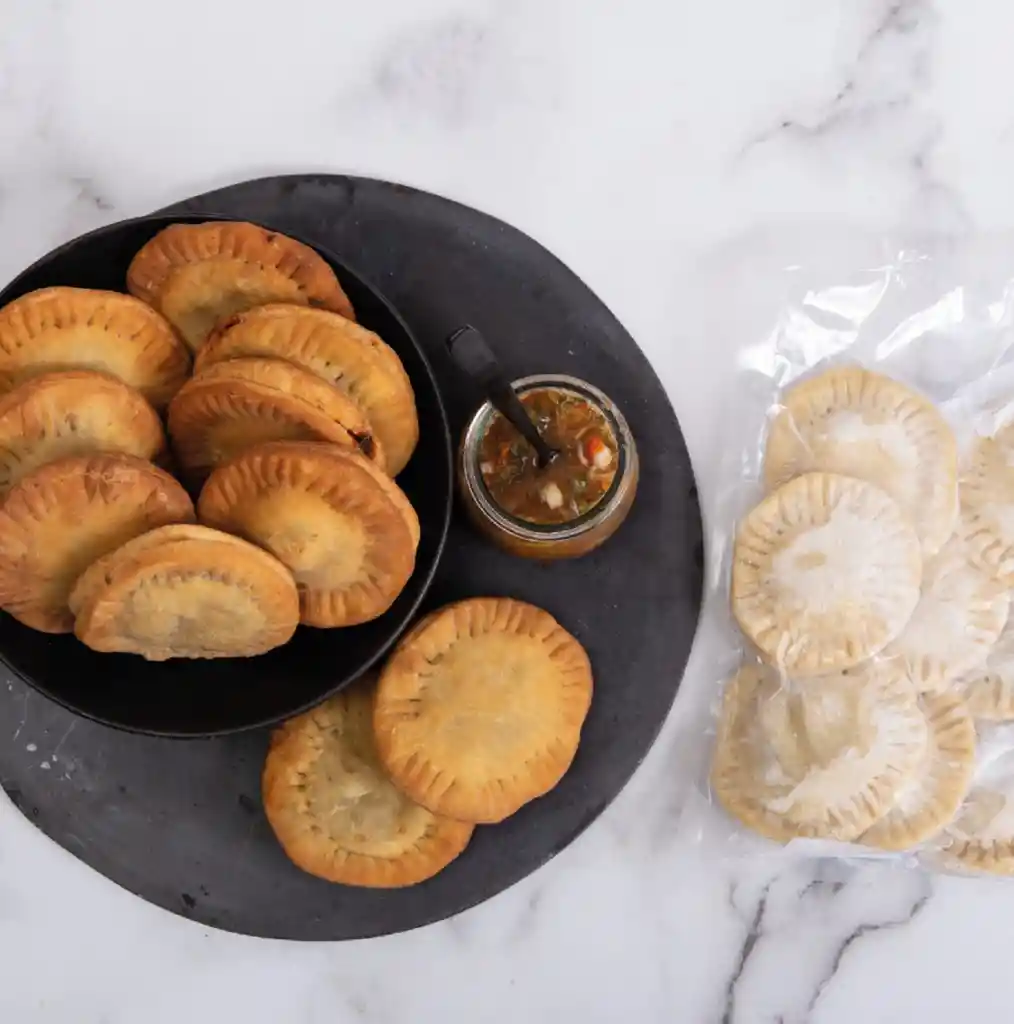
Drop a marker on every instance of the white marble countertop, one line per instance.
(660, 149)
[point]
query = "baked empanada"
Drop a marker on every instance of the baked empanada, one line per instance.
(196, 274)
(77, 328)
(344, 528)
(73, 412)
(230, 406)
(334, 810)
(207, 597)
(479, 710)
(68, 513)
(342, 353)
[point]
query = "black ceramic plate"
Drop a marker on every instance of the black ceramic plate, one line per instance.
(202, 698)
(180, 823)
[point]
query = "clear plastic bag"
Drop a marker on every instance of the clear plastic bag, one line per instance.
(862, 558)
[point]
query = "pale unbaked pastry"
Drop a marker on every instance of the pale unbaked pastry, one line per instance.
(987, 504)
(981, 837)
(826, 572)
(931, 797)
(960, 615)
(988, 689)
(822, 757)
(851, 421)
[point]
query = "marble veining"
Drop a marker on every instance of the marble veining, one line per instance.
(677, 156)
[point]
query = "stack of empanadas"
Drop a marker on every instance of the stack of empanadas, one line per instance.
(478, 711)
(875, 591)
(295, 419)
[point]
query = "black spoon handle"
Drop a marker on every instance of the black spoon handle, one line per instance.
(474, 357)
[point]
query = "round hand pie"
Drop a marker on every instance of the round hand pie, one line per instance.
(826, 572)
(203, 596)
(73, 412)
(987, 504)
(336, 813)
(822, 757)
(231, 406)
(196, 274)
(76, 328)
(480, 709)
(959, 617)
(860, 424)
(988, 689)
(931, 797)
(68, 513)
(337, 350)
(982, 835)
(344, 529)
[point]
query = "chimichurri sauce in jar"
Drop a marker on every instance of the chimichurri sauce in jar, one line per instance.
(580, 476)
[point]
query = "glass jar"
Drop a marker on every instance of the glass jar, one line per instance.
(557, 540)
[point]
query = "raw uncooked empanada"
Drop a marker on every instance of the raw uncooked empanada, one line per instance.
(857, 423)
(73, 412)
(826, 572)
(818, 757)
(77, 328)
(342, 353)
(988, 689)
(480, 709)
(987, 504)
(205, 597)
(68, 513)
(959, 617)
(196, 274)
(981, 837)
(931, 797)
(336, 813)
(230, 406)
(344, 528)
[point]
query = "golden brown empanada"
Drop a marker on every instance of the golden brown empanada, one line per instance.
(106, 569)
(196, 274)
(77, 328)
(341, 352)
(334, 810)
(73, 412)
(344, 529)
(201, 597)
(479, 710)
(230, 406)
(61, 518)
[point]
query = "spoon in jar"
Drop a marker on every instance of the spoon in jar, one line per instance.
(474, 357)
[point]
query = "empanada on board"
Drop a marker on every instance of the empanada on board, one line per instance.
(817, 757)
(196, 274)
(826, 572)
(337, 350)
(73, 412)
(857, 423)
(932, 795)
(77, 328)
(344, 529)
(334, 810)
(228, 407)
(480, 709)
(207, 598)
(59, 519)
